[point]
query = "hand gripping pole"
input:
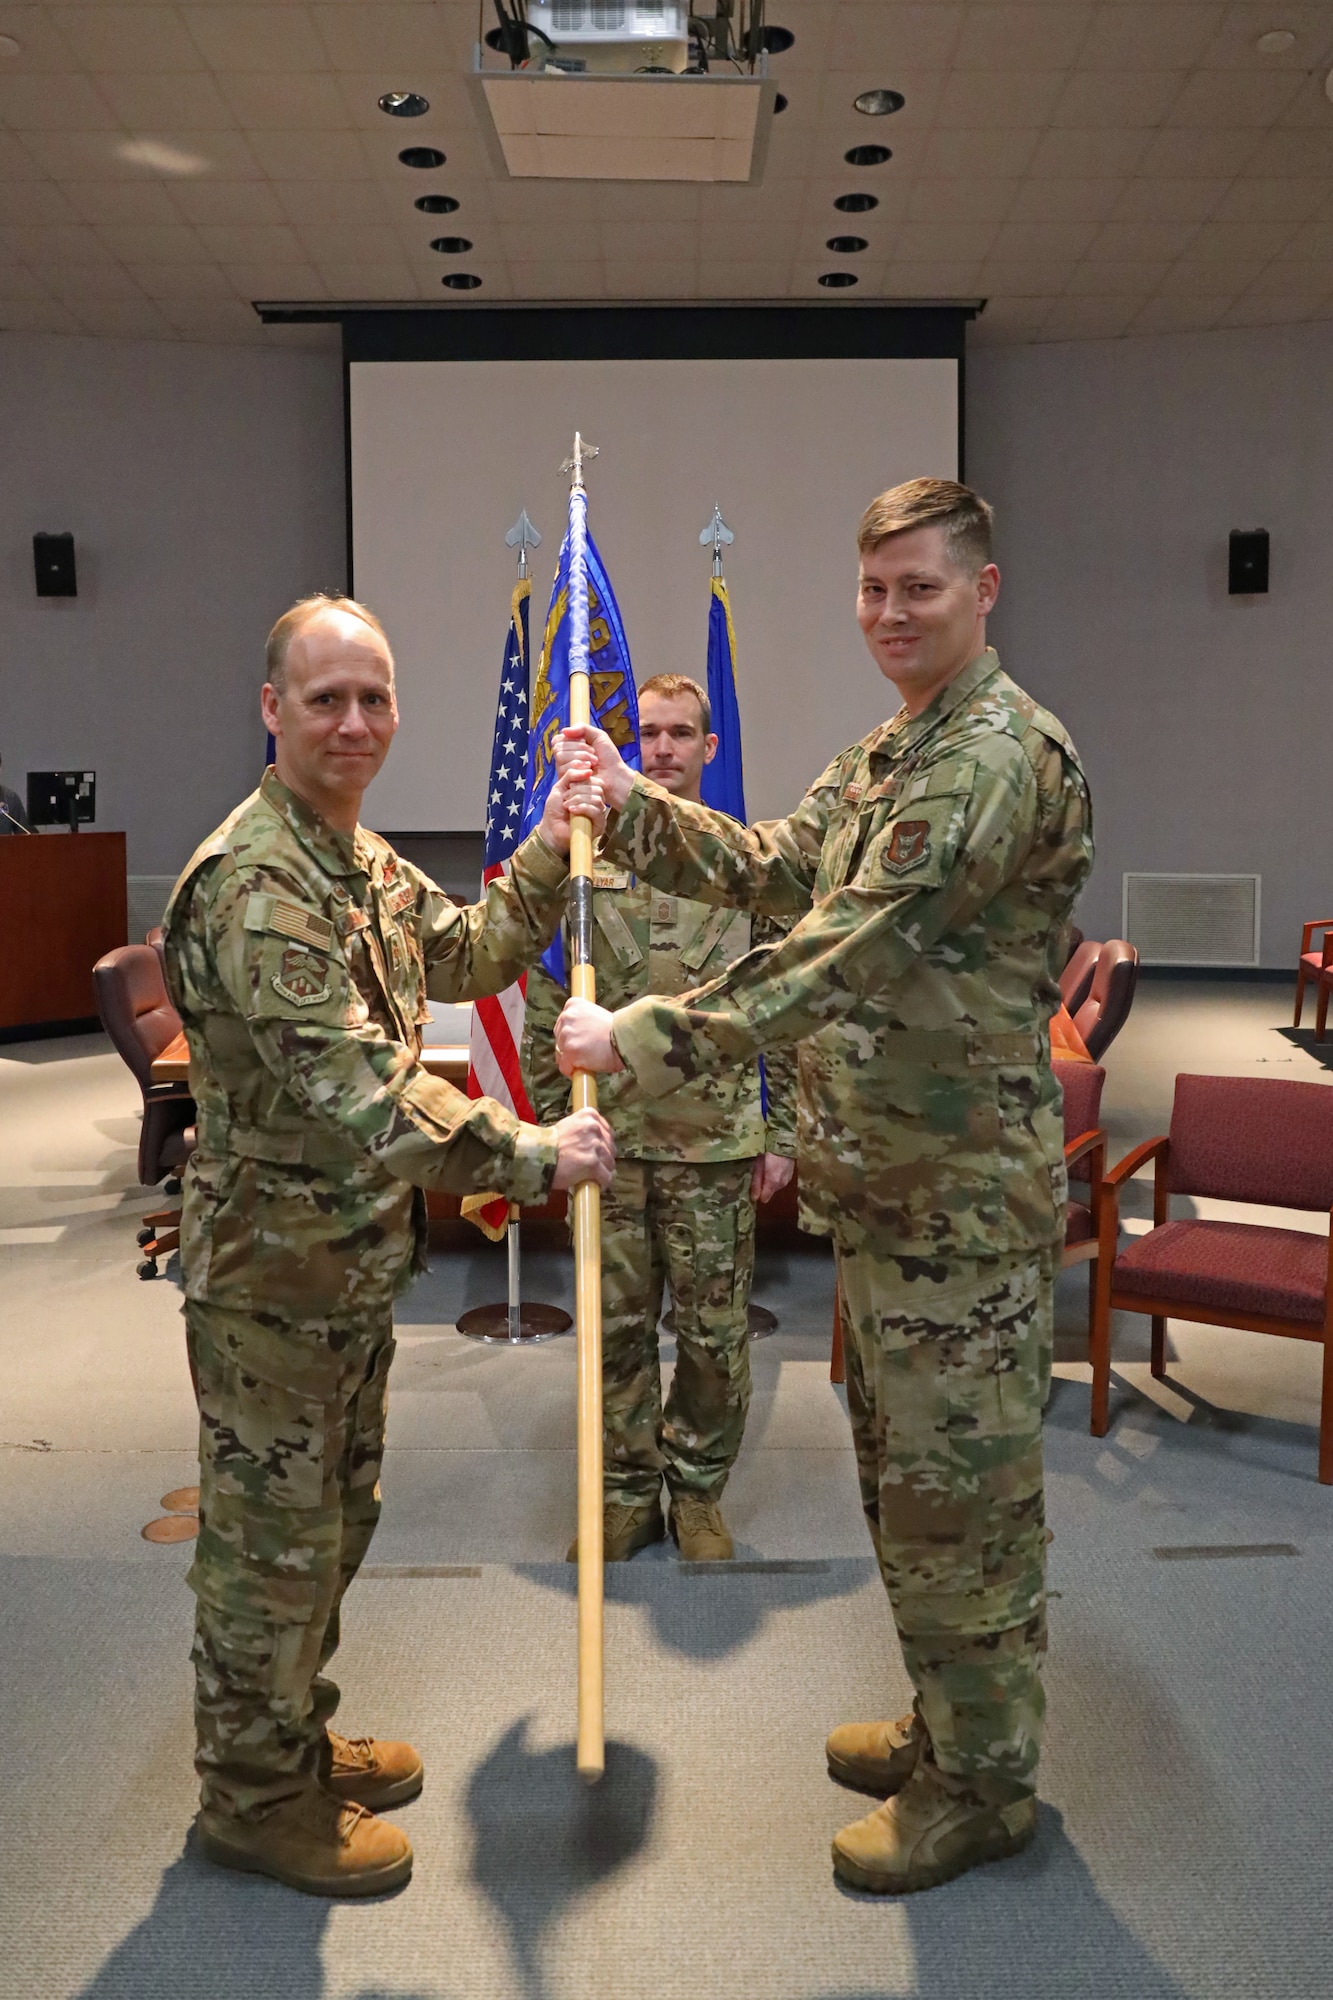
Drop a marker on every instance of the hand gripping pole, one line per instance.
(587, 1198)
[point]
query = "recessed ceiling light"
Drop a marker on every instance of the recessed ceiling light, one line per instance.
(9, 48)
(778, 40)
(435, 204)
(422, 156)
(879, 103)
(846, 246)
(162, 158)
(779, 103)
(1275, 44)
(867, 156)
(838, 281)
(856, 204)
(451, 246)
(404, 104)
(461, 281)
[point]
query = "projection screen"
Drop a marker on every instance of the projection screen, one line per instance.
(445, 454)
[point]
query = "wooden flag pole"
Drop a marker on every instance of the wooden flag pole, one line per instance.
(587, 1199)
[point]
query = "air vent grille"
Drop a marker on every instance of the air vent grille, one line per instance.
(1193, 919)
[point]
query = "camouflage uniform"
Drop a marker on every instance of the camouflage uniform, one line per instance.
(944, 853)
(679, 1211)
(301, 960)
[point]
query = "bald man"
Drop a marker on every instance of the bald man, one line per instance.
(301, 951)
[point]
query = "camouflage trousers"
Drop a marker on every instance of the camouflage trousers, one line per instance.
(291, 1437)
(948, 1367)
(689, 1225)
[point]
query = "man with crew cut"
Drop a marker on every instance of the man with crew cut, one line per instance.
(943, 853)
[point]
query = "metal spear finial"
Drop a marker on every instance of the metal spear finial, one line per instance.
(717, 532)
(574, 465)
(523, 536)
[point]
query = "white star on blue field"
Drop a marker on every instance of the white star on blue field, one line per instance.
(509, 758)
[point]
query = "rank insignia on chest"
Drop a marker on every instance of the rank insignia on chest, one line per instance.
(302, 978)
(908, 844)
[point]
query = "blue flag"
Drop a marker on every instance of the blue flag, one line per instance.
(723, 783)
(612, 697)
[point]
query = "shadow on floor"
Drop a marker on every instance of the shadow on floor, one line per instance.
(1303, 1039)
(705, 1616)
(543, 1838)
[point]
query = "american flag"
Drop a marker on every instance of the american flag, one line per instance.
(497, 1022)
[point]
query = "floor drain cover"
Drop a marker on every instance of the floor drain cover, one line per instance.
(172, 1528)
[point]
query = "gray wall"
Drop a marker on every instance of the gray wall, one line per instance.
(1117, 469)
(204, 487)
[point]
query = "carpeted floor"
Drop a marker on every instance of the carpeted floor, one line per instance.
(1187, 1820)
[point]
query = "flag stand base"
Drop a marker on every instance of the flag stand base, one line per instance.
(535, 1323)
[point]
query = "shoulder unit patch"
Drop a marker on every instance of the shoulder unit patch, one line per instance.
(302, 978)
(909, 844)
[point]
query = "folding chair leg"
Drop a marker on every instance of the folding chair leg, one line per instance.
(1159, 1349)
(1300, 995)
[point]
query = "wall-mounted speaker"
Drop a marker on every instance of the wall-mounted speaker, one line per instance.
(53, 559)
(1247, 562)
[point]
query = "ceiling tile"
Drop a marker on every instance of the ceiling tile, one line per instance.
(1001, 37)
(341, 243)
(1005, 98)
(123, 319)
(1166, 315)
(368, 281)
(1088, 154)
(1300, 154)
(1253, 310)
(736, 278)
(1202, 277)
(631, 241)
(817, 198)
(963, 200)
(535, 243)
(134, 39)
(1312, 241)
(451, 107)
(16, 161)
(1009, 321)
(256, 38)
(1120, 99)
(1293, 278)
(1043, 241)
(34, 203)
(555, 202)
(647, 279)
(927, 278)
(627, 202)
(945, 242)
(980, 152)
(1122, 240)
(1103, 277)
(552, 279)
(1162, 36)
(1088, 319)
(282, 103)
(228, 202)
(182, 281)
(1249, 200)
(212, 319)
(57, 243)
(52, 104)
(37, 316)
(1233, 45)
(1018, 278)
(175, 155)
(72, 282)
(414, 37)
(334, 203)
(235, 243)
(121, 201)
(1066, 200)
(1229, 100)
(1146, 200)
(845, 126)
(17, 282)
(315, 156)
(152, 243)
(45, 51)
(187, 103)
(1219, 241)
(873, 34)
(276, 281)
(1188, 155)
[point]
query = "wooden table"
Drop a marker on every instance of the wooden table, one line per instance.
(449, 1060)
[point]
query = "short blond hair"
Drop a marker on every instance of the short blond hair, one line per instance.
(932, 503)
(675, 685)
(303, 613)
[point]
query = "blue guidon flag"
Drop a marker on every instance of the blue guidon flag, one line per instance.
(497, 1021)
(723, 783)
(612, 697)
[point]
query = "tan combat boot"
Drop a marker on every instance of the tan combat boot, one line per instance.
(625, 1530)
(928, 1834)
(316, 1843)
(699, 1530)
(876, 1757)
(367, 1772)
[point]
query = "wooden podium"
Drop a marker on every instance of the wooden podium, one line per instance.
(62, 904)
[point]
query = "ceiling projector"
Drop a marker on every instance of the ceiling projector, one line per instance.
(591, 37)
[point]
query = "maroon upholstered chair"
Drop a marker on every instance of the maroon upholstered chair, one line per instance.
(1106, 1009)
(1316, 965)
(1077, 977)
(1232, 1138)
(132, 1001)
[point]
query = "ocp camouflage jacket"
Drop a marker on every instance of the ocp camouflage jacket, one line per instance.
(648, 941)
(943, 854)
(301, 960)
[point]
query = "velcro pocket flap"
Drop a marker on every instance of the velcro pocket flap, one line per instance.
(616, 931)
(711, 935)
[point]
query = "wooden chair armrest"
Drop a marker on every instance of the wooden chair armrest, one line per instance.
(1134, 1162)
(1308, 930)
(1087, 1142)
